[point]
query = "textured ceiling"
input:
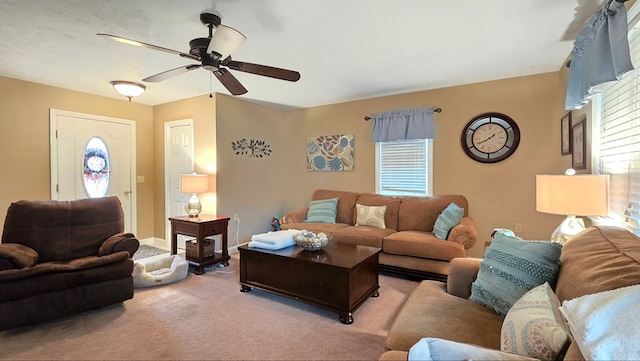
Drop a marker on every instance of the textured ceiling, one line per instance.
(344, 50)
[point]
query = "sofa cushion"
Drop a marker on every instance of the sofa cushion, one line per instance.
(431, 312)
(392, 204)
(423, 245)
(346, 203)
(605, 325)
(448, 219)
(371, 216)
(56, 276)
(420, 213)
(322, 210)
(534, 326)
(617, 263)
(365, 236)
(60, 230)
(511, 267)
(328, 228)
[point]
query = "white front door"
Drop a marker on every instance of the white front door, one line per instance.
(93, 156)
(178, 159)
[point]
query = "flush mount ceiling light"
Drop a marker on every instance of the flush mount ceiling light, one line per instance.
(128, 88)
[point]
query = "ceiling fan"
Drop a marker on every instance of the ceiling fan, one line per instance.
(213, 53)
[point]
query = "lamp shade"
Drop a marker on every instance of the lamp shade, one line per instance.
(194, 183)
(225, 41)
(577, 195)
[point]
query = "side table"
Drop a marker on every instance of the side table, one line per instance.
(201, 227)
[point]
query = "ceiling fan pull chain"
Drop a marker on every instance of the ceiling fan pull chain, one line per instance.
(210, 79)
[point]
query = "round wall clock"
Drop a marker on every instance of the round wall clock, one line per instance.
(490, 137)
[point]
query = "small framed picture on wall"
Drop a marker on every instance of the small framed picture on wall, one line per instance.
(579, 144)
(565, 134)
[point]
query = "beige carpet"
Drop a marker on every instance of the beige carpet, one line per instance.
(207, 318)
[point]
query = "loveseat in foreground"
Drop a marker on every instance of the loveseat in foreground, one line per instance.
(407, 240)
(58, 258)
(598, 259)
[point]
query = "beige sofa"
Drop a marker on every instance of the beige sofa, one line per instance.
(599, 259)
(408, 243)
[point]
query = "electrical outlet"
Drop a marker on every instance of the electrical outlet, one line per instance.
(518, 227)
(236, 217)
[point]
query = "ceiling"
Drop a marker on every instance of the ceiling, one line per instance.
(344, 50)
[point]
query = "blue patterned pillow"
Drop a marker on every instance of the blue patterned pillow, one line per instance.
(323, 211)
(448, 219)
(511, 267)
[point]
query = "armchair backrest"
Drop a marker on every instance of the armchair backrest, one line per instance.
(60, 230)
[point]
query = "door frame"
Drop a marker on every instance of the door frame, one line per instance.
(53, 140)
(167, 191)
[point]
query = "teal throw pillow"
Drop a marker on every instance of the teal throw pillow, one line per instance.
(511, 267)
(448, 219)
(323, 211)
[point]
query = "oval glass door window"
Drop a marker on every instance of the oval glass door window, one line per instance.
(95, 170)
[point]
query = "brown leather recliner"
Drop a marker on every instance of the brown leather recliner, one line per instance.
(58, 258)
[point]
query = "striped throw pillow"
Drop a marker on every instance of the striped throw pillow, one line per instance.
(322, 211)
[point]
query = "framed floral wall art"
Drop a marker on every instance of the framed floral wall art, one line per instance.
(330, 153)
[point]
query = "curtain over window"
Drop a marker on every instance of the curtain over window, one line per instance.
(403, 124)
(600, 53)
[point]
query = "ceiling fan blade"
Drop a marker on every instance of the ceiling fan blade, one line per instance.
(264, 70)
(229, 81)
(146, 45)
(170, 73)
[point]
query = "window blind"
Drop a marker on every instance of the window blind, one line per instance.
(402, 167)
(619, 149)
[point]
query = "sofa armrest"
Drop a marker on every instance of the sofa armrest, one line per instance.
(296, 216)
(16, 256)
(119, 242)
(462, 273)
(464, 233)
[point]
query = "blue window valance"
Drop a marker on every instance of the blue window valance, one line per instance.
(403, 124)
(600, 53)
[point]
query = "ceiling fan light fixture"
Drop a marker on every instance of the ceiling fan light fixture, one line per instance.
(225, 41)
(128, 88)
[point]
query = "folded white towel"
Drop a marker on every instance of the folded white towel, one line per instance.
(275, 238)
(280, 245)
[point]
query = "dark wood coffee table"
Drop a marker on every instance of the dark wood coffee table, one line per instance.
(339, 277)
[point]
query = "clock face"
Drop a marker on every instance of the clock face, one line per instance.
(490, 137)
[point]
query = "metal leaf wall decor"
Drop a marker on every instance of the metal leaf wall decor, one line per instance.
(254, 148)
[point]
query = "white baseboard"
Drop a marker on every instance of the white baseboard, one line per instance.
(234, 249)
(151, 241)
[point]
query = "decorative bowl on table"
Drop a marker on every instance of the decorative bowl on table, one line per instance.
(310, 241)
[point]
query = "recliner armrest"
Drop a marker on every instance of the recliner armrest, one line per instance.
(119, 242)
(16, 256)
(462, 273)
(464, 232)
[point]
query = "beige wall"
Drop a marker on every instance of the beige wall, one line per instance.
(24, 141)
(256, 188)
(251, 187)
(499, 195)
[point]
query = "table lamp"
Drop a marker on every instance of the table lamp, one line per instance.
(572, 195)
(194, 183)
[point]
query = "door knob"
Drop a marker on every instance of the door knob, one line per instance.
(126, 193)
